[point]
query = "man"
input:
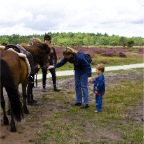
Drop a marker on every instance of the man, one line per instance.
(82, 74)
(52, 61)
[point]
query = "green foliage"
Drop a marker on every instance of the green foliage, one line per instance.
(130, 43)
(123, 41)
(75, 39)
(4, 40)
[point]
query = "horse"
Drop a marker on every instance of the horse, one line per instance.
(41, 58)
(10, 77)
(34, 41)
(15, 71)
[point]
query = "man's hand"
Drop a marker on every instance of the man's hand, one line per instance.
(51, 67)
(96, 92)
(89, 79)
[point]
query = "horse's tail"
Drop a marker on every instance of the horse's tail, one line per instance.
(12, 91)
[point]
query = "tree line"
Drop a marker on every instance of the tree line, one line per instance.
(77, 39)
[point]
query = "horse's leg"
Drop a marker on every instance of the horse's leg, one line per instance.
(29, 91)
(8, 111)
(34, 101)
(5, 119)
(12, 123)
(25, 109)
(30, 100)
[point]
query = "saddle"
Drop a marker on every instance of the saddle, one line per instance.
(19, 49)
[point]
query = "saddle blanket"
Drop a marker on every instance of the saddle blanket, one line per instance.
(21, 55)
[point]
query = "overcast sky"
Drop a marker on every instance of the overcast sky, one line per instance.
(119, 17)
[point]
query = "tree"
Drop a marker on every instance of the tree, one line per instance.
(123, 41)
(4, 40)
(130, 43)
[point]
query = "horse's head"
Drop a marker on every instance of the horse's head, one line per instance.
(44, 47)
(45, 50)
(39, 50)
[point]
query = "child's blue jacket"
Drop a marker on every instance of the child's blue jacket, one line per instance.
(81, 65)
(99, 84)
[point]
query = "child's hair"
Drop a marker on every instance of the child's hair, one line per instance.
(100, 67)
(69, 50)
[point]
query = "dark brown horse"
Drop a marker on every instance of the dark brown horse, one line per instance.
(15, 71)
(40, 56)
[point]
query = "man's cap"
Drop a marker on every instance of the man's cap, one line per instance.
(47, 37)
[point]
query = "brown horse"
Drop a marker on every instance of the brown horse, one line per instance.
(15, 71)
(39, 57)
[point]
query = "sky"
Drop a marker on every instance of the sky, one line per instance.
(27, 17)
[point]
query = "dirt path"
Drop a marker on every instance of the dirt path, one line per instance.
(109, 68)
(31, 124)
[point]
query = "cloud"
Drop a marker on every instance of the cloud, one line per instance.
(123, 17)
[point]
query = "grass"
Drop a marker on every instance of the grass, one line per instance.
(63, 123)
(114, 61)
(113, 126)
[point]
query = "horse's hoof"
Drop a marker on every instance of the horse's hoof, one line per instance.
(26, 112)
(13, 130)
(6, 121)
(34, 101)
(29, 103)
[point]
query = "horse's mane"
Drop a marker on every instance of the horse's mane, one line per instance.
(34, 41)
(38, 48)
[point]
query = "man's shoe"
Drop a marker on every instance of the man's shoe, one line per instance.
(56, 90)
(84, 106)
(44, 90)
(31, 102)
(34, 101)
(77, 104)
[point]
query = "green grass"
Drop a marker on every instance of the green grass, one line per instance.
(115, 61)
(113, 126)
(67, 124)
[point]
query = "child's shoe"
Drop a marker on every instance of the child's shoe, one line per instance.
(96, 111)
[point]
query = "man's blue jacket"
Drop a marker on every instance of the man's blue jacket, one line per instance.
(81, 64)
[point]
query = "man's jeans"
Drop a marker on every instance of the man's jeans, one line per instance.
(81, 87)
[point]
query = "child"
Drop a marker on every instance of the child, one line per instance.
(99, 87)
